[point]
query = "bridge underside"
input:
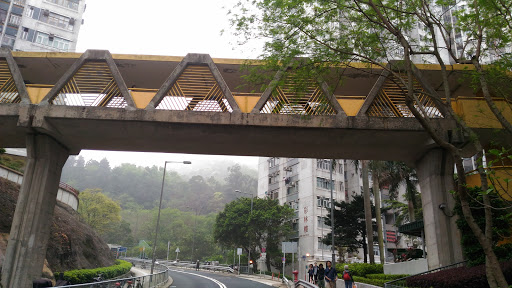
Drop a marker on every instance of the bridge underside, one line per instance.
(99, 128)
(56, 104)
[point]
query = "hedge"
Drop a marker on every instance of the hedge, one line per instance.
(463, 277)
(361, 269)
(386, 276)
(120, 267)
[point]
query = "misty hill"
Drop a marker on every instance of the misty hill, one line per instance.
(139, 187)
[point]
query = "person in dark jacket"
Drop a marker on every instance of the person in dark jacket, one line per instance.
(311, 274)
(320, 273)
(330, 275)
(347, 277)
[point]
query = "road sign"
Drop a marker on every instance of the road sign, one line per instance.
(289, 247)
(263, 255)
(122, 249)
(177, 250)
(238, 251)
(284, 260)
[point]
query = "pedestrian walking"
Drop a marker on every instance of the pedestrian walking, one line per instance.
(315, 272)
(197, 265)
(321, 276)
(310, 273)
(347, 277)
(330, 275)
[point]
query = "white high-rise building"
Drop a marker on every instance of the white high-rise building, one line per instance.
(304, 185)
(41, 25)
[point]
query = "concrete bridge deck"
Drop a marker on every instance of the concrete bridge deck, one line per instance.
(56, 104)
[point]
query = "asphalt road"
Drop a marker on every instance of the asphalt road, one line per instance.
(200, 279)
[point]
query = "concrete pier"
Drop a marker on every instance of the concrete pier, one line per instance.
(30, 230)
(435, 174)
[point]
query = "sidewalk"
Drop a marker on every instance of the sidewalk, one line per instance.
(263, 279)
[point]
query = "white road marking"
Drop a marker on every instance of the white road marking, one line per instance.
(221, 285)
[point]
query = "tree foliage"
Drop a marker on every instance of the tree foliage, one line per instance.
(336, 33)
(265, 227)
(98, 210)
(349, 225)
(502, 229)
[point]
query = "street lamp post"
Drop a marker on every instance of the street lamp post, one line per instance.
(249, 258)
(159, 209)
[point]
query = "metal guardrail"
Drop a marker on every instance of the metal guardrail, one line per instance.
(302, 283)
(146, 281)
(402, 282)
(201, 266)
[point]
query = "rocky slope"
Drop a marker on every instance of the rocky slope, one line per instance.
(72, 244)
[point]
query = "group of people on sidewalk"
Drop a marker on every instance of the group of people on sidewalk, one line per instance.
(327, 276)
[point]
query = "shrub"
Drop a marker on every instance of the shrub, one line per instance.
(120, 267)
(376, 282)
(386, 276)
(361, 269)
(463, 277)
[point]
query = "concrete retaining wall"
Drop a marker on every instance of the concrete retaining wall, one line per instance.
(341, 284)
(409, 267)
(65, 196)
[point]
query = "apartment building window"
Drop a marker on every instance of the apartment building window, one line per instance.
(292, 188)
(29, 12)
(272, 162)
(323, 246)
(24, 33)
(324, 164)
(3, 15)
(57, 20)
(15, 19)
(323, 202)
(321, 222)
(274, 194)
(323, 183)
(52, 41)
(273, 178)
(71, 4)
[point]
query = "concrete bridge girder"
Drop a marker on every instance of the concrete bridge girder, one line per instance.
(52, 132)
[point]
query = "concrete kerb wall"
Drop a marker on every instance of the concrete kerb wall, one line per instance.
(341, 284)
(409, 267)
(64, 196)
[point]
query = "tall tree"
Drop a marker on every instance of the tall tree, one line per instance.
(268, 223)
(98, 210)
(350, 225)
(374, 32)
(368, 209)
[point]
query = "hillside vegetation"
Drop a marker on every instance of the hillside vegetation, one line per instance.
(72, 244)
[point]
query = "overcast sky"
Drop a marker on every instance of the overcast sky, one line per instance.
(161, 27)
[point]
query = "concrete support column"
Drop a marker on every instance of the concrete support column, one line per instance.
(435, 174)
(26, 249)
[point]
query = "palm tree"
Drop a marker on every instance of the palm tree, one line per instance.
(368, 209)
(379, 173)
(401, 174)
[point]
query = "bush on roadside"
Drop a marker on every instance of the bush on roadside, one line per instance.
(120, 267)
(361, 269)
(462, 277)
(386, 276)
(376, 282)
